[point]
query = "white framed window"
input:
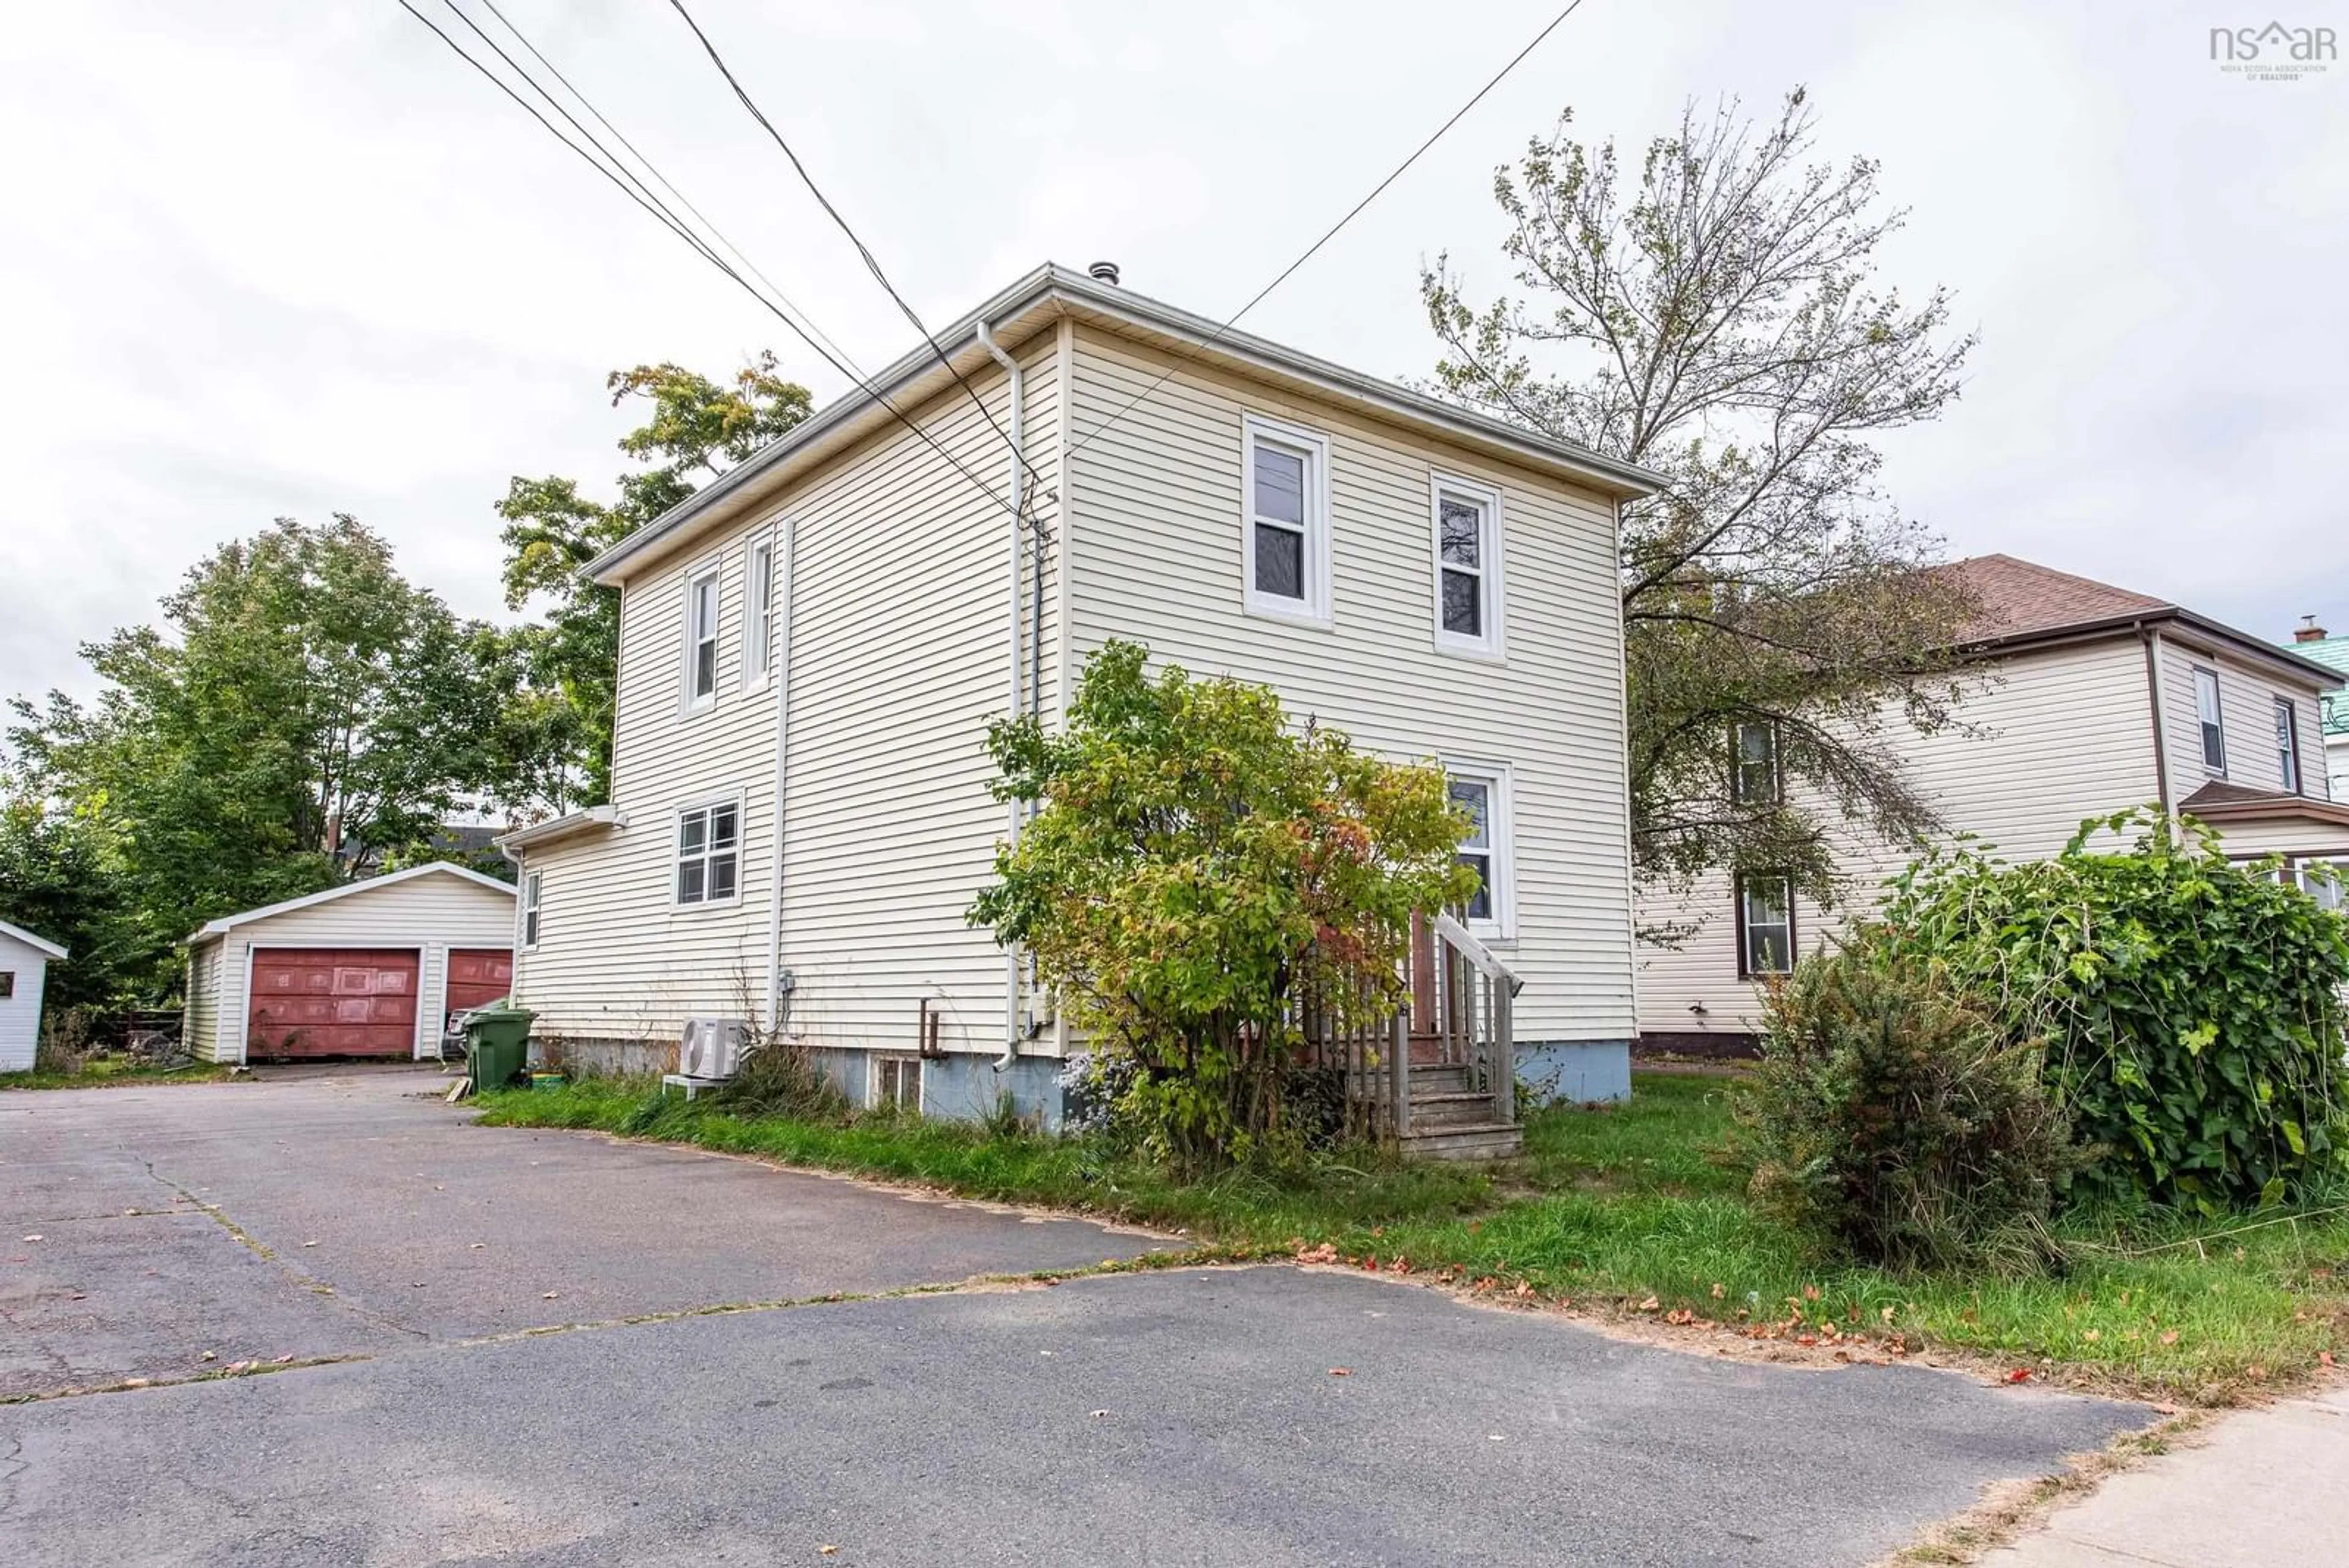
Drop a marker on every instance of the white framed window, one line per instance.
(1482, 790)
(1468, 598)
(2327, 882)
(1285, 521)
(1765, 925)
(1754, 778)
(701, 636)
(2213, 721)
(758, 612)
(709, 853)
(896, 1081)
(2287, 723)
(532, 892)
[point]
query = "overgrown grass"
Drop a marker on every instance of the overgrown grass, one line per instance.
(1620, 1206)
(104, 1071)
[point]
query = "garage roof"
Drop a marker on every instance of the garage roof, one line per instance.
(226, 923)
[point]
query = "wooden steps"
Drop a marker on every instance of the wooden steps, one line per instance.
(1468, 1141)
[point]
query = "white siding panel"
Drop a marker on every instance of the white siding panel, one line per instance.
(2247, 698)
(200, 1030)
(1157, 559)
(20, 1013)
(2056, 737)
(897, 660)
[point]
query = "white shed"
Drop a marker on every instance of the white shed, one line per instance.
(372, 969)
(24, 966)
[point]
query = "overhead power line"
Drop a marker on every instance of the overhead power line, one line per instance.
(609, 164)
(872, 263)
(1332, 232)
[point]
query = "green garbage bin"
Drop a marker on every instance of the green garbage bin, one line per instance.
(497, 1045)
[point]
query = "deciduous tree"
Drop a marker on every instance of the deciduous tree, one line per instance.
(1711, 313)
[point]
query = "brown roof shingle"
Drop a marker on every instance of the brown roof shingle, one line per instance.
(2020, 598)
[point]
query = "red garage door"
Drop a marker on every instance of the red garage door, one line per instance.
(331, 1001)
(478, 976)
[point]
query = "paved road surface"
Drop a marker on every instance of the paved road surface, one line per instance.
(1183, 1416)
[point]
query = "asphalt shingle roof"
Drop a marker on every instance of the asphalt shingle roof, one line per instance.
(2021, 599)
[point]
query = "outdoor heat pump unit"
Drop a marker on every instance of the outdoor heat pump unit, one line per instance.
(712, 1047)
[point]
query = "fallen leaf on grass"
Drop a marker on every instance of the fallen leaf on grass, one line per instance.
(1680, 1319)
(2019, 1374)
(1523, 1290)
(1651, 1305)
(2169, 1336)
(2324, 1358)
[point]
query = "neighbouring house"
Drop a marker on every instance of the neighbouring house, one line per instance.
(24, 971)
(811, 649)
(369, 968)
(2310, 640)
(2091, 698)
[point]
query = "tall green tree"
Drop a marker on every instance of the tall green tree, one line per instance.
(1710, 310)
(697, 430)
(60, 879)
(303, 711)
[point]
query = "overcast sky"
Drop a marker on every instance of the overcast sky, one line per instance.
(264, 258)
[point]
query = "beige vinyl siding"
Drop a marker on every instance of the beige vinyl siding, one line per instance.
(2242, 840)
(2247, 697)
(1157, 543)
(2054, 738)
(200, 1030)
(429, 914)
(897, 659)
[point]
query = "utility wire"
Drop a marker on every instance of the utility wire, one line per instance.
(872, 264)
(1352, 213)
(682, 199)
(670, 221)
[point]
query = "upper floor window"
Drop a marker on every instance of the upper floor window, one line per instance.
(2206, 711)
(1754, 775)
(701, 636)
(1467, 567)
(531, 889)
(2287, 721)
(1765, 924)
(709, 853)
(1481, 791)
(1286, 481)
(758, 613)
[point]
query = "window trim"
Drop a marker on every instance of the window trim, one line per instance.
(1491, 568)
(757, 611)
(533, 900)
(873, 1080)
(7, 984)
(695, 576)
(2295, 776)
(1314, 608)
(1501, 820)
(1746, 970)
(1777, 794)
(679, 906)
(2215, 723)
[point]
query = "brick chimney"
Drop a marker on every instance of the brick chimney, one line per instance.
(2308, 630)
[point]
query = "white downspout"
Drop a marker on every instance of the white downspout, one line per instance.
(778, 679)
(1019, 475)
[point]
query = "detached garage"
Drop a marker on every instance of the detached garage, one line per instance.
(373, 969)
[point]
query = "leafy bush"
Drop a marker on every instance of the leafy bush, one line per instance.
(1199, 866)
(1892, 1117)
(2191, 1007)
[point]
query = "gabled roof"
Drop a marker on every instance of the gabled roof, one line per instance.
(2221, 803)
(1050, 292)
(227, 923)
(38, 944)
(2022, 603)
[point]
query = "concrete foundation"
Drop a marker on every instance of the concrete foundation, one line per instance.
(1578, 1071)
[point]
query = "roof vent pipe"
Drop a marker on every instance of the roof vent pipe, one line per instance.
(1106, 272)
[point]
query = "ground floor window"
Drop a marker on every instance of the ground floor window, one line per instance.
(1765, 924)
(709, 853)
(2326, 881)
(1481, 791)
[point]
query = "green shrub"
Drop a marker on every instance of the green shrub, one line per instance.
(1893, 1117)
(2191, 1007)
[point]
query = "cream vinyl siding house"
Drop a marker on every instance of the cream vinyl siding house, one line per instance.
(2064, 721)
(895, 646)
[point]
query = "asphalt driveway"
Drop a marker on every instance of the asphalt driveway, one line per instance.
(1174, 1417)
